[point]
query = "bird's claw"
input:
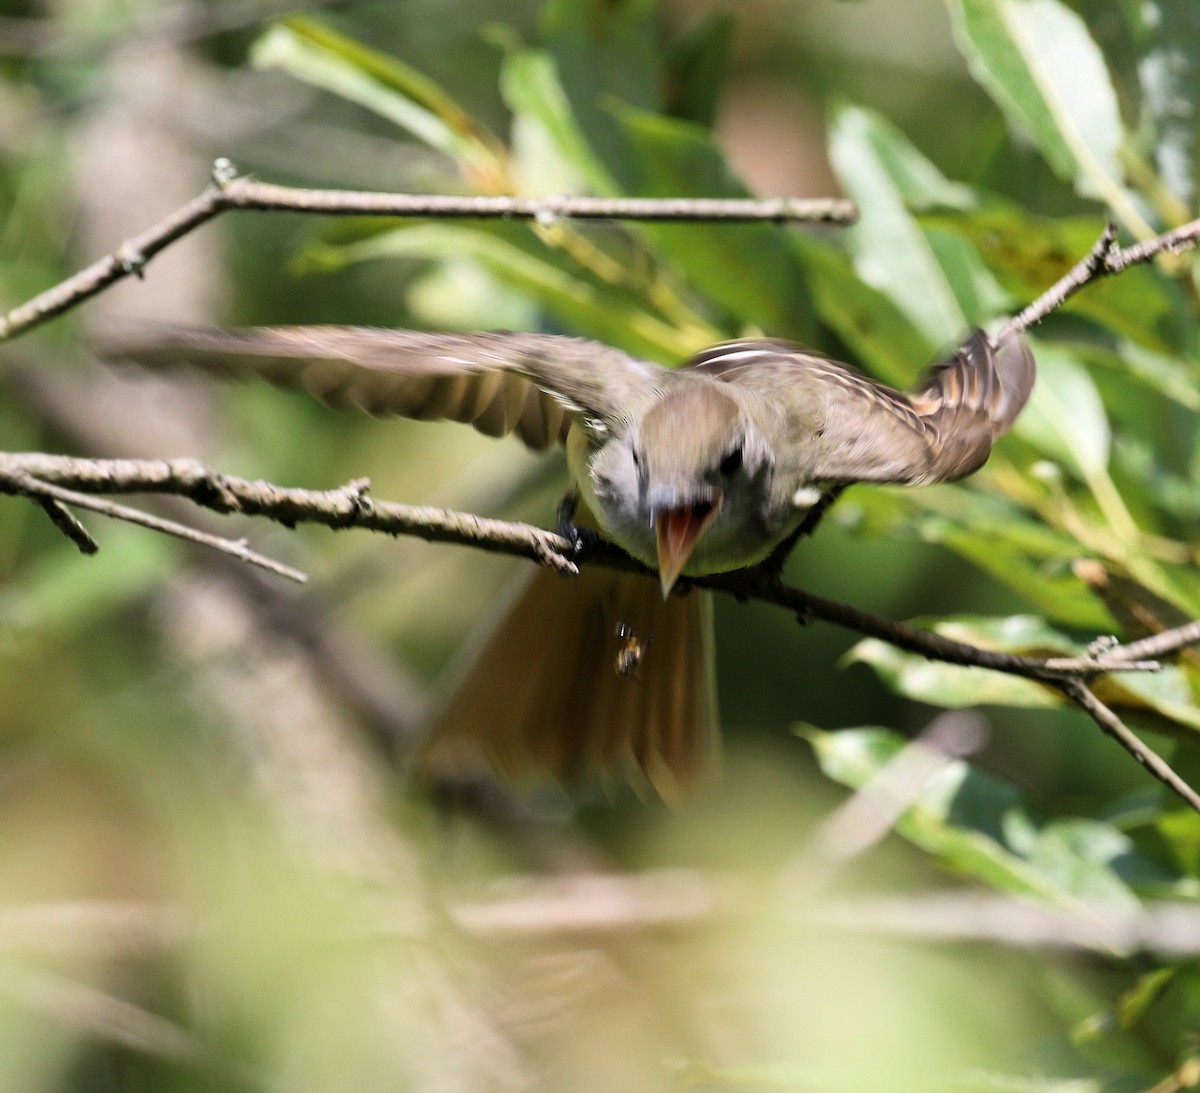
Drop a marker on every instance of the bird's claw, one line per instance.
(582, 539)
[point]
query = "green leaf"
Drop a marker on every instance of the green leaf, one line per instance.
(66, 591)
(542, 114)
(606, 51)
(748, 270)
(882, 173)
(883, 339)
(1037, 60)
(696, 65)
(1161, 701)
(1167, 373)
(1032, 560)
(1065, 418)
(977, 825)
(1169, 71)
(1082, 857)
(388, 87)
(954, 686)
(583, 305)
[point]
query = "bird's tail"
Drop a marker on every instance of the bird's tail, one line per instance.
(593, 675)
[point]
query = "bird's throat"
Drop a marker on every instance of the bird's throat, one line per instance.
(677, 531)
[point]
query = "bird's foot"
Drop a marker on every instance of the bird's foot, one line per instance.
(582, 539)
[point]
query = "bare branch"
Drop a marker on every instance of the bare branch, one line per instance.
(1110, 723)
(104, 1017)
(229, 192)
(760, 584)
(1169, 641)
(1087, 269)
(349, 506)
(1104, 260)
(61, 478)
(61, 518)
(19, 482)
(53, 481)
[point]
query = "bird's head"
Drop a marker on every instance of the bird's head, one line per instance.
(686, 488)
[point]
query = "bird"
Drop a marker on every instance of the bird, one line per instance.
(703, 468)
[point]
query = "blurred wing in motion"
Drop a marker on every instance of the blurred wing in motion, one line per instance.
(528, 384)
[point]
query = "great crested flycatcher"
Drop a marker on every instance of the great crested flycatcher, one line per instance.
(692, 470)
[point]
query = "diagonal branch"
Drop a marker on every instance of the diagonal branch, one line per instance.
(1104, 260)
(1112, 725)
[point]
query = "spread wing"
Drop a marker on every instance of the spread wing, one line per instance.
(528, 384)
(854, 429)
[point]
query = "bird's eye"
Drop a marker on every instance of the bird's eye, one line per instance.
(731, 463)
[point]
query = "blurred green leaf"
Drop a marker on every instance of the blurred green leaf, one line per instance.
(1169, 71)
(1129, 1009)
(1037, 60)
(1065, 418)
(976, 824)
(66, 595)
(1031, 559)
(532, 90)
(952, 685)
(696, 64)
(748, 270)
(1084, 857)
(1161, 700)
(883, 173)
(884, 341)
(1167, 373)
(586, 306)
(321, 56)
(606, 52)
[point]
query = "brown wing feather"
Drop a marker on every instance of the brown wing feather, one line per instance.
(857, 429)
(530, 384)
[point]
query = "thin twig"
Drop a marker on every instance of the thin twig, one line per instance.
(1085, 270)
(20, 482)
(61, 518)
(345, 507)
(759, 584)
(229, 192)
(1104, 260)
(103, 1016)
(1169, 641)
(520, 907)
(1110, 723)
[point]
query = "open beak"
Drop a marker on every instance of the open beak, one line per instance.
(678, 531)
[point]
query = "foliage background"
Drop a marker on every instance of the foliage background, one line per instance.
(212, 873)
